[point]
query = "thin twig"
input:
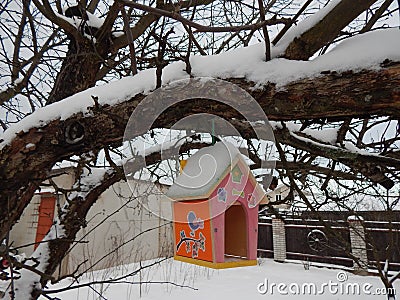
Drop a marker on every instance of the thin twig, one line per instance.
(289, 24)
(199, 27)
(130, 41)
(193, 39)
(265, 31)
(375, 17)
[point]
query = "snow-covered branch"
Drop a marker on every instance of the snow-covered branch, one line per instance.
(49, 130)
(372, 166)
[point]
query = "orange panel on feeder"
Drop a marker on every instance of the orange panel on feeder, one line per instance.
(193, 230)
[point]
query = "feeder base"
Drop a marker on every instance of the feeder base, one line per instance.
(222, 265)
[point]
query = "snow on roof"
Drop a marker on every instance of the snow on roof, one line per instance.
(203, 171)
(45, 190)
(363, 51)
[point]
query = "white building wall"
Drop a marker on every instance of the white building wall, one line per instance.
(24, 232)
(119, 229)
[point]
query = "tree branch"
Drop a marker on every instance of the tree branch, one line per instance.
(199, 27)
(385, 5)
(148, 19)
(327, 29)
(24, 169)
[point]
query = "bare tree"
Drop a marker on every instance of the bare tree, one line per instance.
(52, 50)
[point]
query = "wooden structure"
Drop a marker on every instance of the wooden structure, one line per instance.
(216, 212)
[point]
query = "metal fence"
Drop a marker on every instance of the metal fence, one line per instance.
(309, 239)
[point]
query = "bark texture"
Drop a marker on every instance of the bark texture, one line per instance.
(327, 29)
(332, 95)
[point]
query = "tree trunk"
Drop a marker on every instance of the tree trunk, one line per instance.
(327, 29)
(78, 71)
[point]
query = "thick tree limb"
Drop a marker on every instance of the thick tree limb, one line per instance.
(292, 21)
(105, 30)
(371, 166)
(334, 95)
(83, 60)
(327, 29)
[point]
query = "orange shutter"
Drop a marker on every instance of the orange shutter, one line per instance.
(46, 216)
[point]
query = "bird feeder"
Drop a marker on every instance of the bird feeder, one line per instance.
(215, 209)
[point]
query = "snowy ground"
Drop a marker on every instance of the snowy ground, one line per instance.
(238, 283)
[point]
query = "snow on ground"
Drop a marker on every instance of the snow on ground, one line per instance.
(234, 284)
(360, 52)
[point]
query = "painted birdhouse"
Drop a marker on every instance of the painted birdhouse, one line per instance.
(215, 209)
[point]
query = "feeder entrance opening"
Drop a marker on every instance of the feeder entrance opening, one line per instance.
(235, 233)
